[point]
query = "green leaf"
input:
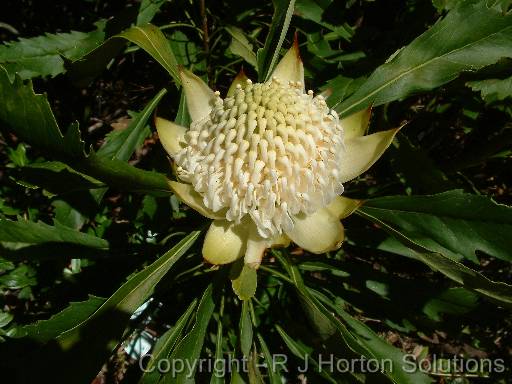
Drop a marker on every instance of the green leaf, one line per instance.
(125, 177)
(241, 46)
(46, 330)
(5, 318)
(84, 343)
(164, 346)
(268, 55)
(359, 339)
(28, 232)
(21, 277)
(245, 327)
(452, 223)
(148, 37)
(304, 353)
(272, 372)
(148, 9)
(189, 348)
(470, 37)
(492, 89)
(381, 350)
(218, 374)
(44, 55)
(459, 273)
(122, 144)
(187, 53)
(56, 178)
(407, 159)
(66, 215)
(340, 87)
(453, 301)
(244, 280)
(30, 117)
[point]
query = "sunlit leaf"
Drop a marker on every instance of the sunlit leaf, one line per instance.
(453, 223)
(44, 55)
(470, 37)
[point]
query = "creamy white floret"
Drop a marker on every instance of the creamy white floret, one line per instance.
(270, 151)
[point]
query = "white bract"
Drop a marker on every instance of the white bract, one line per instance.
(268, 163)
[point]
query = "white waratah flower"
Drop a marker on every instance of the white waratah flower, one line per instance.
(267, 163)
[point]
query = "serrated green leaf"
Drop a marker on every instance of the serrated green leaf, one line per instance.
(46, 330)
(84, 343)
(241, 46)
(454, 270)
(29, 115)
(340, 87)
(21, 277)
(189, 348)
(470, 37)
(66, 215)
(28, 232)
(43, 55)
(268, 55)
(363, 343)
(55, 177)
(453, 223)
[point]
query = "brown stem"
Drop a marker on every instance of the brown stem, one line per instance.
(206, 38)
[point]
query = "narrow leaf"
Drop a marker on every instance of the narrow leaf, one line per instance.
(46, 330)
(241, 46)
(121, 145)
(164, 346)
(245, 327)
(28, 232)
(84, 343)
(268, 55)
(189, 348)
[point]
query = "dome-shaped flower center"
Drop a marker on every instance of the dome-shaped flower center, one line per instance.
(270, 151)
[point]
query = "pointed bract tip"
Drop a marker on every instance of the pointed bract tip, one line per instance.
(296, 47)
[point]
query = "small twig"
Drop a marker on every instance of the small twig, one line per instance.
(206, 39)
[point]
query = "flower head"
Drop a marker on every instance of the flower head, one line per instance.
(267, 163)
(269, 151)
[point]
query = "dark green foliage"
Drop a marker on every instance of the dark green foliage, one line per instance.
(96, 252)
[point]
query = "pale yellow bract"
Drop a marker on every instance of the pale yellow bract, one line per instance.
(267, 163)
